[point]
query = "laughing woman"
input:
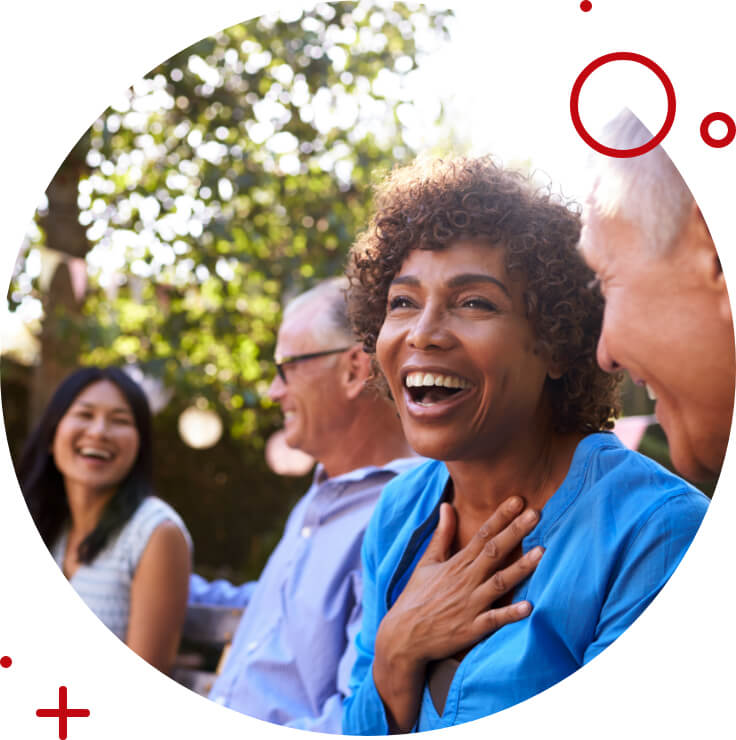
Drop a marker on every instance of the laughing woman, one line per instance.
(469, 289)
(86, 476)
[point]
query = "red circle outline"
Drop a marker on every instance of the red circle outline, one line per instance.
(586, 6)
(730, 132)
(6, 661)
(626, 56)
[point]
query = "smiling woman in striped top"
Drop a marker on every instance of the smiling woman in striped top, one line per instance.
(86, 474)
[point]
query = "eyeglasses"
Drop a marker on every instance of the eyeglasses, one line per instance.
(298, 358)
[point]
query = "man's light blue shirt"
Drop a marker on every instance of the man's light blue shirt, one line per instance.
(290, 660)
(613, 534)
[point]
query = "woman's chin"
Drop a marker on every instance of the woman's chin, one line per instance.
(435, 446)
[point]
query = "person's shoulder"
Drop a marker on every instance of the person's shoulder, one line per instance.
(405, 502)
(417, 487)
(153, 507)
(169, 538)
(618, 471)
(151, 513)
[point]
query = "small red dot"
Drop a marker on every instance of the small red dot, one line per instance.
(586, 5)
(6, 662)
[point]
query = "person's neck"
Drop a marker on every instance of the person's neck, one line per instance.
(373, 437)
(533, 470)
(85, 507)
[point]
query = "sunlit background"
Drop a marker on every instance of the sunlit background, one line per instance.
(444, 98)
(230, 178)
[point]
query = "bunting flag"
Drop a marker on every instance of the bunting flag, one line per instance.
(630, 429)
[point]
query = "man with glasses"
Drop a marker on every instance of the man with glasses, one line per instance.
(293, 651)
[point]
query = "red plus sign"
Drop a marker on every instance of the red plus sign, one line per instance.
(62, 712)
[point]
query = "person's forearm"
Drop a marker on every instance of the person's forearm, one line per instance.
(220, 592)
(399, 678)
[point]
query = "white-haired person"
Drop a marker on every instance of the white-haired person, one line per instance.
(667, 317)
(291, 656)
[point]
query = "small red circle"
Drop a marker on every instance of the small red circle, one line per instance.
(6, 661)
(586, 5)
(730, 130)
(626, 56)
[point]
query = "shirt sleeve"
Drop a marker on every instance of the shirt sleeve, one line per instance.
(650, 560)
(219, 593)
(148, 517)
(363, 711)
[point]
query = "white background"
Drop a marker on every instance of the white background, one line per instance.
(61, 64)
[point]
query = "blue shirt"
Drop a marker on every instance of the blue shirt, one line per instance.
(613, 532)
(290, 660)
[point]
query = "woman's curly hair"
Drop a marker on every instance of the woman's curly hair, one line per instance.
(431, 204)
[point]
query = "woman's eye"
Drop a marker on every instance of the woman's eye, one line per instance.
(481, 303)
(399, 301)
(124, 420)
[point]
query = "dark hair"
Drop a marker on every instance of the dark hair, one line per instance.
(42, 483)
(431, 204)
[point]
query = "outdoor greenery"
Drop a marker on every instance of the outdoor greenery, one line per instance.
(230, 178)
(227, 180)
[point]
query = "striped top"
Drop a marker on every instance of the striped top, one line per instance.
(104, 584)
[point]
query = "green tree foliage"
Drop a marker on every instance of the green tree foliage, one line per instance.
(228, 179)
(235, 174)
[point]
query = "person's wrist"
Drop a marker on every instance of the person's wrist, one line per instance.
(397, 653)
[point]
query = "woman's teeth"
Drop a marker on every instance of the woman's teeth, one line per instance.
(94, 452)
(419, 379)
(427, 389)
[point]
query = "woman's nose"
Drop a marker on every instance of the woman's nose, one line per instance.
(430, 330)
(98, 426)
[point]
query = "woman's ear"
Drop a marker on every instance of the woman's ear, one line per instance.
(554, 368)
(555, 371)
(357, 371)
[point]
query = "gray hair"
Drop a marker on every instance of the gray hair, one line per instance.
(646, 191)
(333, 322)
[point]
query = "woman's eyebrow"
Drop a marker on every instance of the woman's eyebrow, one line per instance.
(405, 280)
(113, 410)
(458, 281)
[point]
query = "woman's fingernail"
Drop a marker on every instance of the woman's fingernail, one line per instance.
(516, 503)
(536, 554)
(530, 516)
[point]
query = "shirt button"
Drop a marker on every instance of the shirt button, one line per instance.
(252, 646)
(306, 532)
(219, 700)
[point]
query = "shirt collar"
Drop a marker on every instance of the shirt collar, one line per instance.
(397, 466)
